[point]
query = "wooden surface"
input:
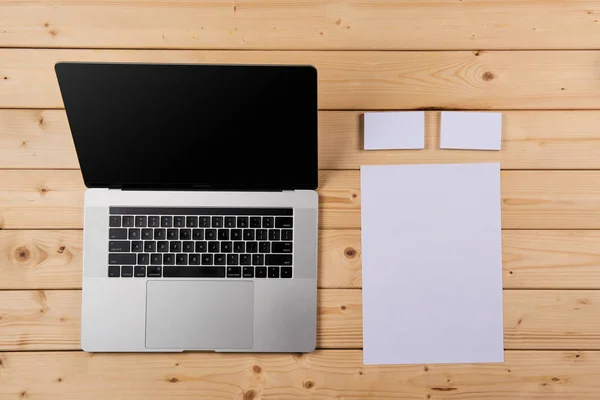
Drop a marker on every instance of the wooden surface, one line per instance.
(536, 60)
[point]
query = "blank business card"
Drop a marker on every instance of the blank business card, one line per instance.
(395, 130)
(471, 130)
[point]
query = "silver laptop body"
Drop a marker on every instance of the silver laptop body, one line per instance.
(190, 269)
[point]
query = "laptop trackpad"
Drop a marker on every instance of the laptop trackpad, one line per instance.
(199, 315)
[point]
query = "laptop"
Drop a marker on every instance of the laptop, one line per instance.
(200, 221)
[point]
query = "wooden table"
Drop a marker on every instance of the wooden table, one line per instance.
(533, 59)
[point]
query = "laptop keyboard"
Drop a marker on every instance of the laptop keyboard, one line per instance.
(200, 243)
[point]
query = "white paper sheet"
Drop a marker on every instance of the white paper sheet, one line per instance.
(432, 264)
(471, 130)
(394, 130)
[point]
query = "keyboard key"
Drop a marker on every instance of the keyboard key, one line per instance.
(117, 233)
(239, 247)
(213, 247)
(210, 234)
(207, 259)
(226, 247)
(248, 234)
(127, 271)
(198, 234)
(134, 233)
(121, 259)
(143, 259)
(156, 259)
(188, 247)
(169, 259)
(229, 222)
(242, 222)
(223, 234)
(251, 247)
(287, 234)
(234, 272)
(175, 246)
(166, 222)
(258, 259)
(274, 234)
(191, 222)
(160, 234)
(236, 234)
(282, 247)
(268, 222)
(137, 246)
(114, 221)
(255, 222)
(261, 272)
(147, 234)
(150, 247)
(248, 272)
(219, 259)
(194, 272)
(179, 222)
(261, 234)
(153, 272)
(120, 246)
(278, 259)
(128, 221)
(273, 272)
(194, 259)
(162, 246)
(185, 234)
(264, 247)
(181, 259)
(139, 271)
(201, 247)
(232, 259)
(245, 259)
(153, 221)
(141, 221)
(286, 272)
(204, 222)
(284, 222)
(114, 271)
(217, 222)
(173, 234)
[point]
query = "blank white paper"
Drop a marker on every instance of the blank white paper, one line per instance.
(471, 130)
(432, 264)
(394, 130)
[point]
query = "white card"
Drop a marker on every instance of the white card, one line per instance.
(432, 264)
(395, 130)
(471, 130)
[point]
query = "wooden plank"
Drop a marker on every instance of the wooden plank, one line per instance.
(533, 319)
(532, 259)
(40, 259)
(289, 24)
(357, 80)
(53, 199)
(325, 374)
(531, 140)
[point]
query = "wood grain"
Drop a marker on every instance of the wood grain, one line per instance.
(325, 374)
(357, 80)
(41, 259)
(533, 319)
(550, 139)
(552, 259)
(287, 24)
(53, 199)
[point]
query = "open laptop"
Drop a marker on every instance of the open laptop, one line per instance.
(200, 227)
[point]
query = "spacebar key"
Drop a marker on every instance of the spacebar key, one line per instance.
(193, 272)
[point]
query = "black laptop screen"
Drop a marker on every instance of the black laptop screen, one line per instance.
(177, 126)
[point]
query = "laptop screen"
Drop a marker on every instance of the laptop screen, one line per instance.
(178, 126)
